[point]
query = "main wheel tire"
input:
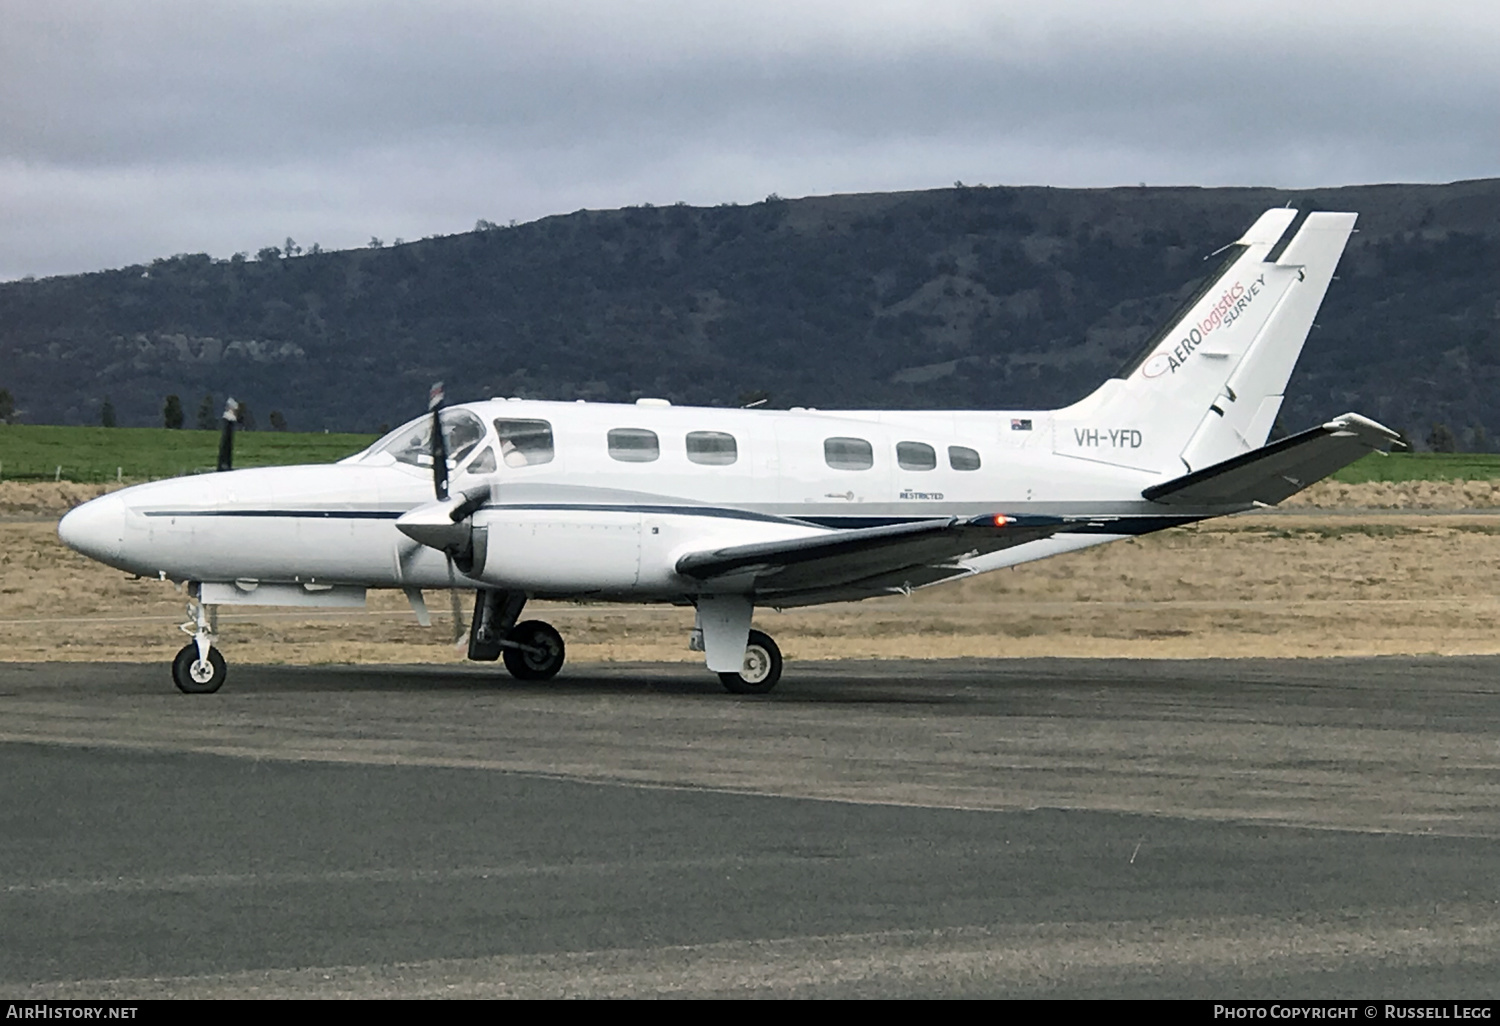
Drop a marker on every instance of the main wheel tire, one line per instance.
(761, 670)
(194, 677)
(541, 654)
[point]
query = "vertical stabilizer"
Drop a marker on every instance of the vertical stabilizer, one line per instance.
(1209, 384)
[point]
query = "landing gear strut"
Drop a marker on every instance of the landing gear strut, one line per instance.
(199, 669)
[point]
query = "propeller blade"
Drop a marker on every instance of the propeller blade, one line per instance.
(445, 524)
(438, 443)
(226, 435)
(474, 500)
(406, 554)
(460, 634)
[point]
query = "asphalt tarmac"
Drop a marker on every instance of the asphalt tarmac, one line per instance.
(1212, 829)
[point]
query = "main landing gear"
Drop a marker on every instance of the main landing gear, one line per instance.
(531, 650)
(747, 661)
(762, 668)
(534, 651)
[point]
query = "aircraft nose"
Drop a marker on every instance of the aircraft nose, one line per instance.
(96, 529)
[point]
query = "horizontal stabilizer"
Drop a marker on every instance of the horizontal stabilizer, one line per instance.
(1282, 468)
(846, 556)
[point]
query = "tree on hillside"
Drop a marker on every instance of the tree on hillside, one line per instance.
(278, 422)
(171, 413)
(206, 413)
(107, 414)
(246, 418)
(1442, 439)
(7, 406)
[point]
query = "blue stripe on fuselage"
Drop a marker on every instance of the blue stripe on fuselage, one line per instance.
(1127, 524)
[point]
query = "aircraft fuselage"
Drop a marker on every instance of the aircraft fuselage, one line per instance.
(611, 522)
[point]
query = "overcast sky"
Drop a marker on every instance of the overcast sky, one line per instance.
(132, 129)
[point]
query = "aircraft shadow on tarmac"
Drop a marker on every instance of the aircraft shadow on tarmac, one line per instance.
(956, 682)
(858, 683)
(586, 681)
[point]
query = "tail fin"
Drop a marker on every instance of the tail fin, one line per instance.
(1210, 384)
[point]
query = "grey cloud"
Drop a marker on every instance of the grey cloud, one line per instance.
(134, 130)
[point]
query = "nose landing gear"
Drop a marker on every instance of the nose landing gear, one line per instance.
(199, 669)
(195, 675)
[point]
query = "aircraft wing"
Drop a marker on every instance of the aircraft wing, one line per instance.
(874, 558)
(1282, 468)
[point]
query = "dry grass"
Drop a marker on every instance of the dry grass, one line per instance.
(1456, 494)
(1278, 585)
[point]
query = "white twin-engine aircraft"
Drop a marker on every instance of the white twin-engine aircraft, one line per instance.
(728, 509)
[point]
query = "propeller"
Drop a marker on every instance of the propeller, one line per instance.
(226, 435)
(437, 442)
(445, 523)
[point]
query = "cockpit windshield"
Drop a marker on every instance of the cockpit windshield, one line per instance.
(412, 443)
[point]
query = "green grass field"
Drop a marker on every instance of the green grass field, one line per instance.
(35, 452)
(1423, 466)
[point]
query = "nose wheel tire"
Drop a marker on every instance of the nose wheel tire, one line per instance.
(198, 677)
(761, 670)
(537, 652)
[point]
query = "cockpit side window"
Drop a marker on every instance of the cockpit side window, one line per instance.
(412, 444)
(525, 443)
(484, 463)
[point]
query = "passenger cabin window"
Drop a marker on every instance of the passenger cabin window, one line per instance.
(915, 456)
(634, 445)
(848, 453)
(713, 448)
(962, 458)
(524, 443)
(412, 444)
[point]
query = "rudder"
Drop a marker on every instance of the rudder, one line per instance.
(1209, 385)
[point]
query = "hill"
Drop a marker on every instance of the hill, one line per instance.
(963, 297)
